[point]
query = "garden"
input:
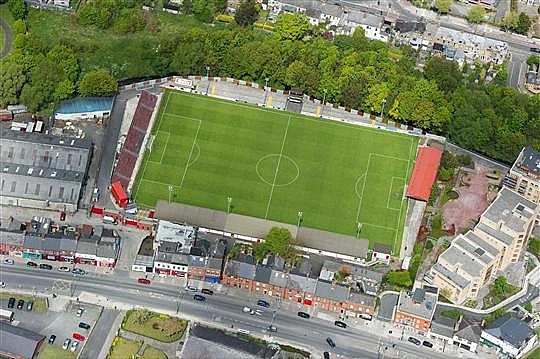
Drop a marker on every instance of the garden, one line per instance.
(153, 325)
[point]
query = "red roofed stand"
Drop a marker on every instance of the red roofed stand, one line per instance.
(119, 194)
(424, 173)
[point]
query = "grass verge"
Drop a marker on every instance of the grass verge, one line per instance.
(154, 325)
(40, 303)
(55, 352)
(153, 353)
(123, 348)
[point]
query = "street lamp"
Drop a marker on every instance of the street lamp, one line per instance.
(358, 229)
(170, 192)
(382, 110)
(323, 102)
(300, 214)
(265, 90)
(207, 79)
(229, 203)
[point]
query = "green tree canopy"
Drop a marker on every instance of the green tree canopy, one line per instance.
(401, 279)
(443, 6)
(247, 13)
(97, 83)
(524, 23)
(292, 26)
(18, 9)
(533, 60)
(19, 27)
(445, 73)
(476, 14)
(534, 245)
(12, 79)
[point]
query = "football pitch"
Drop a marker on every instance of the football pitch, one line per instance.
(274, 164)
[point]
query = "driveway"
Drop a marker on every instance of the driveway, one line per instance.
(9, 38)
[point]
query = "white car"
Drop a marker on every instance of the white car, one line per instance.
(190, 288)
(2, 284)
(8, 261)
(80, 312)
(66, 344)
(63, 269)
(74, 346)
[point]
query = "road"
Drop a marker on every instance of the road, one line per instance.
(223, 310)
(9, 38)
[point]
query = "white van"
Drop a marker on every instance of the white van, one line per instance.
(109, 220)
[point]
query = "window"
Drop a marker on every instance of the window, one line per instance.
(46, 156)
(72, 193)
(80, 160)
(50, 191)
(10, 152)
(36, 192)
(34, 154)
(69, 158)
(23, 151)
(13, 186)
(61, 192)
(26, 188)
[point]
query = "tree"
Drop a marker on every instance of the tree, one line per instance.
(533, 60)
(202, 11)
(495, 315)
(400, 279)
(187, 7)
(64, 89)
(501, 286)
(534, 245)
(300, 75)
(247, 13)
(445, 73)
(523, 24)
(18, 9)
(528, 307)
(67, 60)
(291, 26)
(510, 21)
(443, 6)
(19, 27)
(476, 14)
(97, 83)
(12, 79)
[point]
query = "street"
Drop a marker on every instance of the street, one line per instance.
(224, 310)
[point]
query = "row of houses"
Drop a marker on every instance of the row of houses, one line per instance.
(42, 239)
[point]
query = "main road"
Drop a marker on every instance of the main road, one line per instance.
(222, 310)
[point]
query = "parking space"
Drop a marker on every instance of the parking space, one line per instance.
(62, 324)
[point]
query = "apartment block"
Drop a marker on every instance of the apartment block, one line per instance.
(524, 176)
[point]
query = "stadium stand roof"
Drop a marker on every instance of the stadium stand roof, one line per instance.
(195, 216)
(424, 173)
(87, 104)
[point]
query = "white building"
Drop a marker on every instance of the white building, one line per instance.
(372, 25)
(509, 336)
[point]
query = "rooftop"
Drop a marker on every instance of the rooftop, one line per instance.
(508, 207)
(499, 235)
(511, 330)
(18, 341)
(182, 235)
(462, 259)
(334, 291)
(469, 329)
(46, 139)
(364, 18)
(41, 172)
(367, 300)
(86, 104)
(173, 258)
(529, 158)
(382, 248)
(386, 309)
(301, 283)
(333, 242)
(452, 276)
(144, 260)
(419, 303)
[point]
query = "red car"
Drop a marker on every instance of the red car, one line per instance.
(143, 281)
(62, 216)
(78, 337)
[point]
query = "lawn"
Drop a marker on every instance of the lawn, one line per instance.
(153, 325)
(6, 15)
(40, 304)
(274, 164)
(153, 353)
(55, 352)
(123, 348)
(2, 38)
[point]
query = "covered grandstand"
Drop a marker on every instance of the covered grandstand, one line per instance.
(424, 173)
(84, 108)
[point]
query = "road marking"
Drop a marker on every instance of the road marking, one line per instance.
(277, 167)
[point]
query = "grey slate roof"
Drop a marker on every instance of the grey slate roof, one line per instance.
(386, 308)
(531, 159)
(18, 341)
(263, 274)
(278, 278)
(511, 330)
(240, 269)
(50, 244)
(173, 258)
(301, 283)
(335, 291)
(367, 300)
(333, 242)
(469, 329)
(34, 137)
(40, 171)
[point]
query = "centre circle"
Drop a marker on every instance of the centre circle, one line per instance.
(277, 170)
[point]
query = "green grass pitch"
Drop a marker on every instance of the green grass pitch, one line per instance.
(274, 164)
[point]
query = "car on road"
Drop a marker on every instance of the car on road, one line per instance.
(29, 306)
(80, 312)
(95, 194)
(52, 338)
(74, 346)
(246, 309)
(326, 355)
(83, 325)
(190, 288)
(143, 281)
(330, 342)
(78, 271)
(414, 341)
(3, 284)
(9, 261)
(303, 315)
(63, 269)
(66, 344)
(31, 264)
(535, 49)
(200, 298)
(263, 303)
(339, 323)
(20, 304)
(45, 266)
(11, 302)
(272, 329)
(62, 216)
(427, 344)
(207, 291)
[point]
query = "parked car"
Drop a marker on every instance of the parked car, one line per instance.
(8, 261)
(303, 315)
(200, 298)
(535, 49)
(31, 264)
(45, 266)
(427, 344)
(29, 306)
(263, 303)
(63, 269)
(84, 325)
(143, 281)
(207, 291)
(109, 220)
(20, 304)
(66, 344)
(78, 271)
(62, 216)
(11, 302)
(414, 341)
(326, 355)
(52, 338)
(272, 329)
(330, 342)
(95, 194)
(78, 337)
(339, 323)
(74, 346)
(190, 288)
(80, 312)
(3, 284)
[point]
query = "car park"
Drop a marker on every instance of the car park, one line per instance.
(83, 325)
(190, 288)
(339, 323)
(427, 344)
(9, 261)
(20, 304)
(80, 312)
(200, 298)
(303, 315)
(29, 306)
(45, 266)
(66, 343)
(263, 303)
(11, 302)
(74, 346)
(31, 264)
(63, 269)
(330, 342)
(414, 341)
(207, 291)
(52, 338)
(143, 281)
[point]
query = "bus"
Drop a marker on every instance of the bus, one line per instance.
(6, 315)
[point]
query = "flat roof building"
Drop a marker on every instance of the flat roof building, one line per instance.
(20, 343)
(524, 176)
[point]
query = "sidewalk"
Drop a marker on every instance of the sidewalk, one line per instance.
(110, 337)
